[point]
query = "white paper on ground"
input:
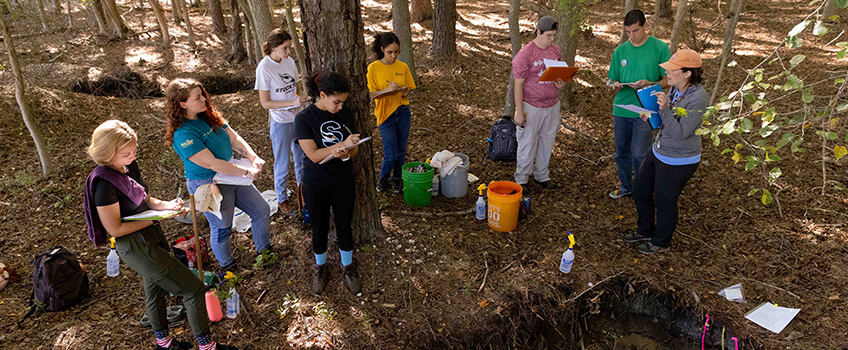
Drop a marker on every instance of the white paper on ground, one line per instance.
(772, 317)
(241, 221)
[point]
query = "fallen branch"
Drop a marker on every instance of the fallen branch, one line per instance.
(775, 287)
(427, 214)
(579, 132)
(259, 299)
(485, 275)
(593, 286)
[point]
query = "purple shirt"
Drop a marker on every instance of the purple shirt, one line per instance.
(529, 65)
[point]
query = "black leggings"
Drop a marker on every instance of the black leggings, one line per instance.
(338, 195)
(655, 191)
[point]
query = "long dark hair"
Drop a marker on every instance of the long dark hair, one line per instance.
(275, 38)
(178, 91)
(382, 41)
(330, 83)
(696, 77)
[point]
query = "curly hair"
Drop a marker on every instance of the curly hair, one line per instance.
(178, 91)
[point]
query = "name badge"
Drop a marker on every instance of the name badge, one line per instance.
(623, 63)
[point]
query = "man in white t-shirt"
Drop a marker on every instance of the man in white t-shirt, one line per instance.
(276, 81)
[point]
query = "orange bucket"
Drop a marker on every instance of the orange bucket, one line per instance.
(504, 198)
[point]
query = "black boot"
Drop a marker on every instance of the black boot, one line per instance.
(322, 276)
(351, 278)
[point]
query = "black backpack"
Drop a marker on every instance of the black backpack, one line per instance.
(502, 143)
(58, 281)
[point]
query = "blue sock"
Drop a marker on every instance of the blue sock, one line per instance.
(347, 257)
(321, 259)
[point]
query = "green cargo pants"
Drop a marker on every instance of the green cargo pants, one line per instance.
(147, 252)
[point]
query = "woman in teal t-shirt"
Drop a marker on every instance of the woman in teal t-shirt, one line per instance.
(205, 143)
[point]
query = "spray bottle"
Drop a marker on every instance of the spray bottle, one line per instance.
(435, 190)
(112, 261)
(233, 303)
(481, 203)
(568, 256)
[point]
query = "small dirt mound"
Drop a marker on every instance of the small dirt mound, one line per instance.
(228, 84)
(121, 82)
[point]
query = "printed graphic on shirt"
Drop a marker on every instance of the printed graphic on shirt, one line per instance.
(541, 63)
(187, 143)
(288, 81)
(331, 133)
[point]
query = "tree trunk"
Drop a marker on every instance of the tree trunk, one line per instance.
(254, 48)
(677, 29)
(70, 17)
(42, 17)
(262, 24)
(111, 10)
(726, 50)
(97, 9)
(629, 5)
(192, 43)
(238, 52)
(176, 10)
(333, 31)
(568, 39)
(515, 39)
(298, 50)
(20, 96)
(163, 23)
(421, 11)
(662, 9)
(444, 28)
(828, 11)
(217, 14)
(400, 25)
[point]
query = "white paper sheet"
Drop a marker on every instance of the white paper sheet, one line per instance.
(331, 155)
(238, 180)
(633, 108)
(772, 317)
(554, 63)
(152, 215)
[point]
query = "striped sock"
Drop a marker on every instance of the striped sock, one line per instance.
(162, 338)
(204, 342)
(210, 346)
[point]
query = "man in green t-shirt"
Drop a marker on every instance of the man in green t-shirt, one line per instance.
(634, 65)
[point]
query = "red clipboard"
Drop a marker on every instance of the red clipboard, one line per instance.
(554, 73)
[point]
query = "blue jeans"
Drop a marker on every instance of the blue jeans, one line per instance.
(395, 134)
(248, 199)
(632, 143)
(282, 141)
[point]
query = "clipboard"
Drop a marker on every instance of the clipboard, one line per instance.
(152, 215)
(649, 102)
(557, 70)
(357, 144)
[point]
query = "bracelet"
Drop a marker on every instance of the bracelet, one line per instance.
(246, 172)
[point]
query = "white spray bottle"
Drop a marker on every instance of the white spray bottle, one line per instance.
(481, 203)
(112, 261)
(568, 256)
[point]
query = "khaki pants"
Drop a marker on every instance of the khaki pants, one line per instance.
(536, 142)
(147, 252)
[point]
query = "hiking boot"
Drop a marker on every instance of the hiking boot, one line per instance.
(322, 276)
(176, 345)
(524, 189)
(351, 279)
(618, 194)
(631, 237)
(382, 185)
(287, 208)
(648, 248)
(397, 185)
(548, 185)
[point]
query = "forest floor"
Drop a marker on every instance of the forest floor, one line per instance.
(443, 282)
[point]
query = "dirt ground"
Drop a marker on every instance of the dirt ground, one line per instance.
(441, 282)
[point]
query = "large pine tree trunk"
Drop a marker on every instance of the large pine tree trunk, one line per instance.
(262, 23)
(629, 5)
(97, 9)
(192, 43)
(298, 49)
(217, 14)
(567, 38)
(237, 53)
(20, 96)
(42, 16)
(421, 11)
(333, 36)
(662, 9)
(400, 25)
(726, 50)
(444, 28)
(111, 10)
(679, 24)
(163, 23)
(515, 39)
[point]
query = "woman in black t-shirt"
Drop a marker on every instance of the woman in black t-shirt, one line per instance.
(115, 190)
(326, 130)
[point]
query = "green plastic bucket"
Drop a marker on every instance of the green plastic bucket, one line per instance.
(417, 186)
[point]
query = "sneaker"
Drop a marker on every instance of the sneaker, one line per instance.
(631, 237)
(548, 185)
(648, 248)
(382, 185)
(397, 185)
(176, 345)
(351, 279)
(322, 276)
(287, 208)
(619, 193)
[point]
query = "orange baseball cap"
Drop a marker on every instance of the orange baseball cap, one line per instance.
(683, 59)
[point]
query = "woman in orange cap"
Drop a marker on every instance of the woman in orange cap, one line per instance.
(675, 154)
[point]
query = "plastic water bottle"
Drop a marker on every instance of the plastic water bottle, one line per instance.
(233, 303)
(435, 190)
(481, 203)
(213, 307)
(567, 257)
(113, 261)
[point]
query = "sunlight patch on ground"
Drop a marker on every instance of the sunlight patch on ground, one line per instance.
(142, 55)
(71, 338)
(373, 4)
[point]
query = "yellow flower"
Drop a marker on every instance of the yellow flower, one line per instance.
(229, 275)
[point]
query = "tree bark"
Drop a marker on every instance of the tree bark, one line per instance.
(111, 10)
(400, 25)
(444, 28)
(629, 5)
(20, 96)
(44, 27)
(238, 53)
(333, 32)
(679, 24)
(70, 17)
(298, 49)
(568, 39)
(262, 24)
(515, 39)
(254, 48)
(163, 23)
(219, 27)
(726, 50)
(828, 11)
(662, 9)
(421, 11)
(97, 9)
(176, 10)
(192, 43)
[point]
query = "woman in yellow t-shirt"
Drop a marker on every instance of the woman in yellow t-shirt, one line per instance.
(390, 82)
